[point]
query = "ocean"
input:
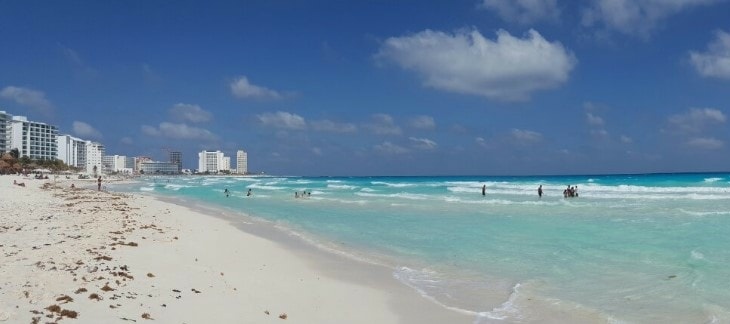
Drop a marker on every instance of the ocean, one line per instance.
(651, 248)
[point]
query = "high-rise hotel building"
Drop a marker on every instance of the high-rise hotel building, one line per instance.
(72, 151)
(82, 154)
(4, 133)
(241, 162)
(213, 161)
(33, 139)
(176, 157)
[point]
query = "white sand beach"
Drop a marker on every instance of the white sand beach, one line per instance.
(84, 256)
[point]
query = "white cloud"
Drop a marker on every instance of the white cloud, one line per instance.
(635, 17)
(390, 148)
(383, 124)
(696, 119)
(706, 143)
(423, 143)
(526, 136)
(599, 133)
(594, 120)
(715, 62)
(178, 131)
(242, 88)
(625, 139)
(126, 140)
(480, 140)
(423, 122)
(79, 67)
(283, 120)
(190, 113)
(326, 125)
(82, 129)
(524, 11)
(27, 97)
(509, 68)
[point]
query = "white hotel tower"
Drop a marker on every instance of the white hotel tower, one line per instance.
(241, 162)
(33, 139)
(213, 162)
(81, 154)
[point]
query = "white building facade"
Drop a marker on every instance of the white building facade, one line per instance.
(33, 139)
(213, 162)
(4, 133)
(157, 167)
(71, 150)
(94, 154)
(241, 162)
(116, 164)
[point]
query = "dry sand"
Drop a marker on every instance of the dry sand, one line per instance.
(84, 256)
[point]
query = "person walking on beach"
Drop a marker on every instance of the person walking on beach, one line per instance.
(98, 184)
(484, 190)
(539, 191)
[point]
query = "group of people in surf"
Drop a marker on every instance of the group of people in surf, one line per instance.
(304, 194)
(228, 192)
(570, 192)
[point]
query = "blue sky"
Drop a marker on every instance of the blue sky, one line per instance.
(493, 87)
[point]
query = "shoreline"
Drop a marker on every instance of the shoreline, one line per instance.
(146, 258)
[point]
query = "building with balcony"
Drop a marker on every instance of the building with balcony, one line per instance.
(156, 167)
(213, 162)
(4, 133)
(94, 154)
(176, 157)
(35, 140)
(138, 162)
(116, 164)
(241, 162)
(71, 150)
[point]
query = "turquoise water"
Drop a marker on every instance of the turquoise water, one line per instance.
(631, 248)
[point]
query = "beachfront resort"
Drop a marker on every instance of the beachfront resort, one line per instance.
(42, 144)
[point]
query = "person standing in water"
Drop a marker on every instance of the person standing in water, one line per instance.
(484, 190)
(539, 191)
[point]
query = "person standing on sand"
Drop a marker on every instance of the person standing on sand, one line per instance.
(484, 190)
(98, 184)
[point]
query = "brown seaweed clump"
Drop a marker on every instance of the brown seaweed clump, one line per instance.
(80, 290)
(146, 316)
(283, 316)
(64, 299)
(69, 313)
(107, 288)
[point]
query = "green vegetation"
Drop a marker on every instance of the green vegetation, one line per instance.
(10, 163)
